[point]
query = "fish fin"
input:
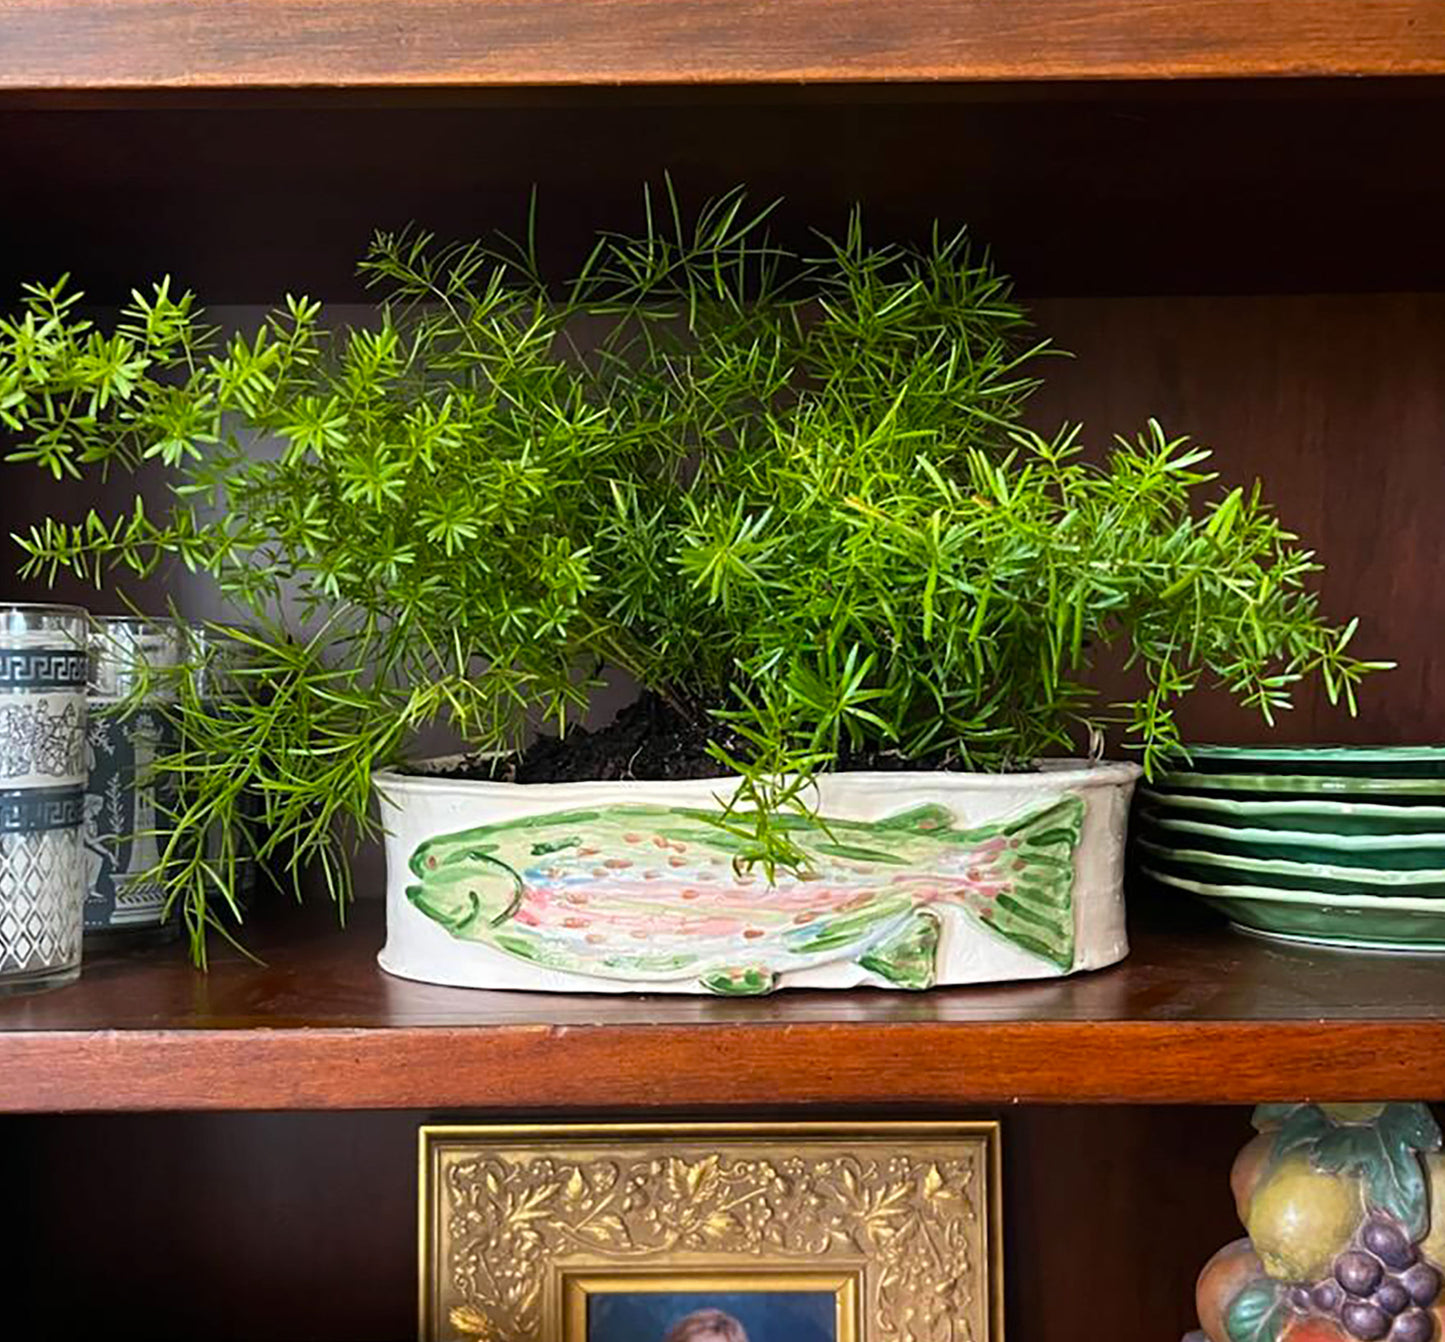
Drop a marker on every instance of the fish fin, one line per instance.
(926, 819)
(906, 958)
(1037, 911)
(740, 981)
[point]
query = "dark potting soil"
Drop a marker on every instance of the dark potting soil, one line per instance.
(648, 741)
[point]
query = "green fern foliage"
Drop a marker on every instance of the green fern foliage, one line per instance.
(790, 494)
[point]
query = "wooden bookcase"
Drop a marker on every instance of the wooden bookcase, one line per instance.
(1230, 211)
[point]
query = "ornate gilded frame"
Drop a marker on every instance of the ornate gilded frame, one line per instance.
(518, 1224)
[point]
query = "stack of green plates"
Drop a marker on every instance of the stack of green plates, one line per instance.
(1330, 844)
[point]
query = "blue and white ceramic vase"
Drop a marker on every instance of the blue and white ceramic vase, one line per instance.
(126, 804)
(43, 664)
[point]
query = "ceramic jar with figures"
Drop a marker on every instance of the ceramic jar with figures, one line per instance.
(126, 805)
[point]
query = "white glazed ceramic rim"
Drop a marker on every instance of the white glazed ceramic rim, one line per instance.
(1342, 944)
(1056, 774)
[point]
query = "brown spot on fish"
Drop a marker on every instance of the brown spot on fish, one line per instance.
(575, 922)
(682, 848)
(431, 863)
(689, 894)
(617, 863)
(639, 934)
(660, 841)
(810, 875)
(677, 862)
(805, 917)
(651, 874)
(576, 897)
(586, 852)
(752, 933)
(594, 938)
(632, 838)
(601, 871)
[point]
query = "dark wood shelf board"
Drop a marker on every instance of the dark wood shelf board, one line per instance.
(1196, 1015)
(149, 44)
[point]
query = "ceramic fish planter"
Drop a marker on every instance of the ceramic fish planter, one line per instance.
(912, 880)
(1343, 1204)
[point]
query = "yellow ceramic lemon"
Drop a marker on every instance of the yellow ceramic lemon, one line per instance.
(1433, 1245)
(1300, 1218)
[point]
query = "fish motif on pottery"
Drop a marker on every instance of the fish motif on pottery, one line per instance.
(642, 893)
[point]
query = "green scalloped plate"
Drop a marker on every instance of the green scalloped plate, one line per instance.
(1313, 877)
(1322, 920)
(1301, 785)
(1420, 762)
(1387, 852)
(1319, 815)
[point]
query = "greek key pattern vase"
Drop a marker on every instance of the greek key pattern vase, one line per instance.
(43, 666)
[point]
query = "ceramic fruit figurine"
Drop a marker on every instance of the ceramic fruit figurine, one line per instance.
(1345, 1208)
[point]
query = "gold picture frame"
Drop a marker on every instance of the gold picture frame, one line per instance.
(522, 1226)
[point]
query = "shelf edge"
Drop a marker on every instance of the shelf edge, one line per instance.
(713, 1067)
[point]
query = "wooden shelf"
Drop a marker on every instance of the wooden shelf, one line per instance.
(1197, 1014)
(199, 44)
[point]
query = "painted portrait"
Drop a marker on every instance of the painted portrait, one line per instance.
(716, 1316)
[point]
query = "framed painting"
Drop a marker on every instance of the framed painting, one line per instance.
(711, 1232)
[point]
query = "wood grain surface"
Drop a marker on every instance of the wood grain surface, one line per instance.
(1196, 1014)
(120, 44)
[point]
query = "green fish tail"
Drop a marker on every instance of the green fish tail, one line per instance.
(1036, 913)
(749, 981)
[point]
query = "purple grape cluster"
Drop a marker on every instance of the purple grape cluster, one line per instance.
(1379, 1288)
